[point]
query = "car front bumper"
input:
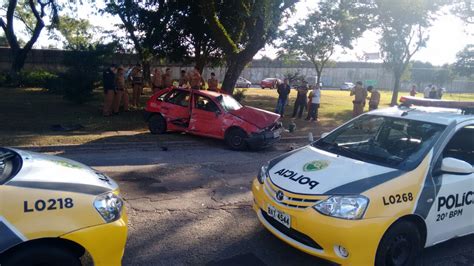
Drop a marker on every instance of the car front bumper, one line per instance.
(264, 139)
(105, 243)
(319, 235)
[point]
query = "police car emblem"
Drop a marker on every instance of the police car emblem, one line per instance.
(315, 165)
(279, 195)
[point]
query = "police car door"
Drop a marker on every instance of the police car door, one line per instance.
(452, 213)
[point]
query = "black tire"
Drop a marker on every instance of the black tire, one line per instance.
(157, 124)
(47, 255)
(248, 86)
(399, 246)
(235, 139)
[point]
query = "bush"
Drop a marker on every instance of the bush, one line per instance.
(36, 78)
(84, 71)
(3, 79)
(239, 94)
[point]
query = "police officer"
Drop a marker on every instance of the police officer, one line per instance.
(212, 82)
(300, 102)
(360, 94)
(108, 77)
(374, 98)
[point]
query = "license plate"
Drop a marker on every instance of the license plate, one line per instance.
(279, 216)
(276, 133)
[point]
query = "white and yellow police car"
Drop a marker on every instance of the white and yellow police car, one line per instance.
(54, 210)
(375, 190)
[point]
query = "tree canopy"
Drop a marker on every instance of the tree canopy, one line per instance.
(464, 65)
(332, 24)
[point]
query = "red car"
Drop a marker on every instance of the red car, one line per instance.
(214, 115)
(270, 83)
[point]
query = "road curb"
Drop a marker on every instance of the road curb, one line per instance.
(136, 145)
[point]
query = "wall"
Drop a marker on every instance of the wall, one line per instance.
(333, 76)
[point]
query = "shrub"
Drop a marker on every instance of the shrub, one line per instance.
(239, 94)
(36, 78)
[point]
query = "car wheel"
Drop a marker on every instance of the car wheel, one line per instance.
(248, 86)
(157, 124)
(399, 246)
(235, 139)
(41, 255)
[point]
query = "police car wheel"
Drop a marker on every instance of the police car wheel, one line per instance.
(157, 124)
(399, 246)
(41, 255)
(235, 139)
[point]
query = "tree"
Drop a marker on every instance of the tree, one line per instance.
(333, 23)
(464, 65)
(404, 26)
(464, 9)
(32, 13)
(241, 29)
(77, 33)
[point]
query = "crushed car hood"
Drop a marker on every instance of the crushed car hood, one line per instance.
(258, 117)
(42, 171)
(314, 172)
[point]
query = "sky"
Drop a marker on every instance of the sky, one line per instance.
(448, 35)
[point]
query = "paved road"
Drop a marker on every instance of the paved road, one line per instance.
(192, 206)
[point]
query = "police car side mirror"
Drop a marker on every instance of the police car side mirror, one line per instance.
(323, 135)
(456, 166)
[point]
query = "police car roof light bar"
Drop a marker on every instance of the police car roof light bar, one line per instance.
(467, 107)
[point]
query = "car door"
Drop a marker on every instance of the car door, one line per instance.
(176, 108)
(206, 117)
(452, 213)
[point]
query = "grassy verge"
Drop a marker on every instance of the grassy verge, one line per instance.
(27, 115)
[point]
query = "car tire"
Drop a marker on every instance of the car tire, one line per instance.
(41, 255)
(248, 86)
(157, 124)
(399, 246)
(235, 139)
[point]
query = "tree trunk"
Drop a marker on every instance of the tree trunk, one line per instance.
(235, 66)
(396, 88)
(146, 70)
(200, 63)
(18, 62)
(318, 79)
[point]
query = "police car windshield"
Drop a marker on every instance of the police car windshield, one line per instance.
(10, 163)
(228, 103)
(393, 142)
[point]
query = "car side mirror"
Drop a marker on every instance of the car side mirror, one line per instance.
(323, 135)
(217, 112)
(456, 166)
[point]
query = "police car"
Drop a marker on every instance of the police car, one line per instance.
(377, 189)
(54, 210)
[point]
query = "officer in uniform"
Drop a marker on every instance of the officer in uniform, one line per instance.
(360, 94)
(374, 98)
(212, 82)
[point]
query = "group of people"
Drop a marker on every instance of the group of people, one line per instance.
(430, 92)
(117, 80)
(192, 80)
(312, 101)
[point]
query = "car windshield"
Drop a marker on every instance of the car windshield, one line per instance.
(228, 103)
(10, 163)
(393, 142)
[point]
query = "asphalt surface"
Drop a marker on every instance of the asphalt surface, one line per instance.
(191, 205)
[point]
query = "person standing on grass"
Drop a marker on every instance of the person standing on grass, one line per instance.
(195, 79)
(413, 91)
(212, 82)
(183, 79)
(283, 90)
(108, 78)
(300, 101)
(121, 91)
(360, 94)
(374, 98)
(157, 80)
(137, 85)
(314, 100)
(167, 81)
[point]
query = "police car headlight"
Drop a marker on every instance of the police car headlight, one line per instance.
(345, 207)
(109, 206)
(262, 174)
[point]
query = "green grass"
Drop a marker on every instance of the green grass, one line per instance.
(27, 115)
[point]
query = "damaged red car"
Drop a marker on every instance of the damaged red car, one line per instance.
(212, 114)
